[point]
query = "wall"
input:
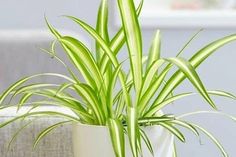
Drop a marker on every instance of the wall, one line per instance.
(217, 73)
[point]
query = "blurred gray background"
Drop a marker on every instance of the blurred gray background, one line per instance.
(218, 72)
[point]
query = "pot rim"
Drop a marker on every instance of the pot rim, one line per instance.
(90, 125)
(105, 126)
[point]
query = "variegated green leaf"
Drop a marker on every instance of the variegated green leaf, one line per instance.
(173, 130)
(132, 129)
(59, 101)
(195, 61)
(47, 131)
(23, 80)
(63, 87)
(207, 112)
(189, 41)
(154, 120)
(33, 86)
(23, 100)
(16, 134)
(89, 95)
(61, 62)
(134, 41)
(150, 92)
(156, 107)
(110, 90)
(192, 75)
(186, 125)
(40, 113)
(107, 51)
(222, 93)
(118, 41)
(147, 141)
(117, 137)
(155, 50)
(150, 74)
(83, 60)
(174, 150)
(221, 148)
(101, 28)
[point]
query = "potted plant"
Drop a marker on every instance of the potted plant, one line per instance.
(115, 112)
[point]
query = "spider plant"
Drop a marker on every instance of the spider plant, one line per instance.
(124, 101)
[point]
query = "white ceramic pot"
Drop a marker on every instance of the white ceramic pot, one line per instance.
(94, 141)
